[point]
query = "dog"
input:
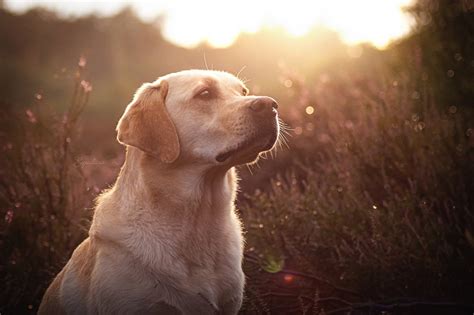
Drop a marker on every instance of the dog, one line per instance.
(165, 239)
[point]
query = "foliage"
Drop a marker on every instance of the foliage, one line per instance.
(42, 197)
(444, 48)
(378, 201)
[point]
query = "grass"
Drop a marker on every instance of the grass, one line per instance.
(43, 197)
(376, 205)
(369, 211)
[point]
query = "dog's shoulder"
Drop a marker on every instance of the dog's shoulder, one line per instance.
(76, 281)
(69, 289)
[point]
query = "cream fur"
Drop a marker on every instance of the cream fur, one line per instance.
(165, 239)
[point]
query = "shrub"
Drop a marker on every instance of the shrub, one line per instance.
(377, 204)
(42, 197)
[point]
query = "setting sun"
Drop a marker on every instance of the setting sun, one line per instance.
(219, 23)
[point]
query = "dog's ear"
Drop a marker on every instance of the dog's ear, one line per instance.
(147, 125)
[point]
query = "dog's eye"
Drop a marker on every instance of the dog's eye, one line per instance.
(245, 91)
(205, 94)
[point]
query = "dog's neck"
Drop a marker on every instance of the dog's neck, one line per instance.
(178, 214)
(178, 182)
(176, 193)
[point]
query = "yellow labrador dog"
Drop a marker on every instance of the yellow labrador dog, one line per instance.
(165, 239)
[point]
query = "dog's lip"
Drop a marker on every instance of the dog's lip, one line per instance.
(222, 157)
(250, 142)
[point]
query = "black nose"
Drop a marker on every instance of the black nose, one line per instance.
(263, 105)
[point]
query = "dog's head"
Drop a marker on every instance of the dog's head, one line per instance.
(200, 116)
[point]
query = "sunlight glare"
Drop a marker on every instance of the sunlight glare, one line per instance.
(210, 21)
(219, 23)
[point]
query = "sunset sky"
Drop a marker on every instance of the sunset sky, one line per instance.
(189, 23)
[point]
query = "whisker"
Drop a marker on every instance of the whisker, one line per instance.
(284, 127)
(255, 164)
(285, 132)
(284, 137)
(240, 71)
(249, 168)
(205, 60)
(280, 144)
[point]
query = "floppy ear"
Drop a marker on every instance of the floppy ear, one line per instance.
(147, 125)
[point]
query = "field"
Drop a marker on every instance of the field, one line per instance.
(365, 207)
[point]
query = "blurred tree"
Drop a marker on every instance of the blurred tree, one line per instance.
(444, 35)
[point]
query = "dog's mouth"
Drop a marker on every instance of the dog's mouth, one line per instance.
(251, 146)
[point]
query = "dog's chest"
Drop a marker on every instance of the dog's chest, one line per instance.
(208, 267)
(218, 282)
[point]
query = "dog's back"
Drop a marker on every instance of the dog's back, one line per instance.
(80, 267)
(51, 303)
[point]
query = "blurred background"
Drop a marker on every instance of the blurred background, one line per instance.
(367, 208)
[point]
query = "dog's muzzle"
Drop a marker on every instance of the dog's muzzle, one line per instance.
(263, 112)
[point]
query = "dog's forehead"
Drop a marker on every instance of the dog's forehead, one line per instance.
(190, 78)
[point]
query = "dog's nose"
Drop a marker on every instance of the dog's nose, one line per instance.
(263, 105)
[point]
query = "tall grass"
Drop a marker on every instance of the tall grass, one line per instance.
(42, 196)
(377, 204)
(371, 209)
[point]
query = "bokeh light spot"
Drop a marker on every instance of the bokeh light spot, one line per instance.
(272, 263)
(288, 278)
